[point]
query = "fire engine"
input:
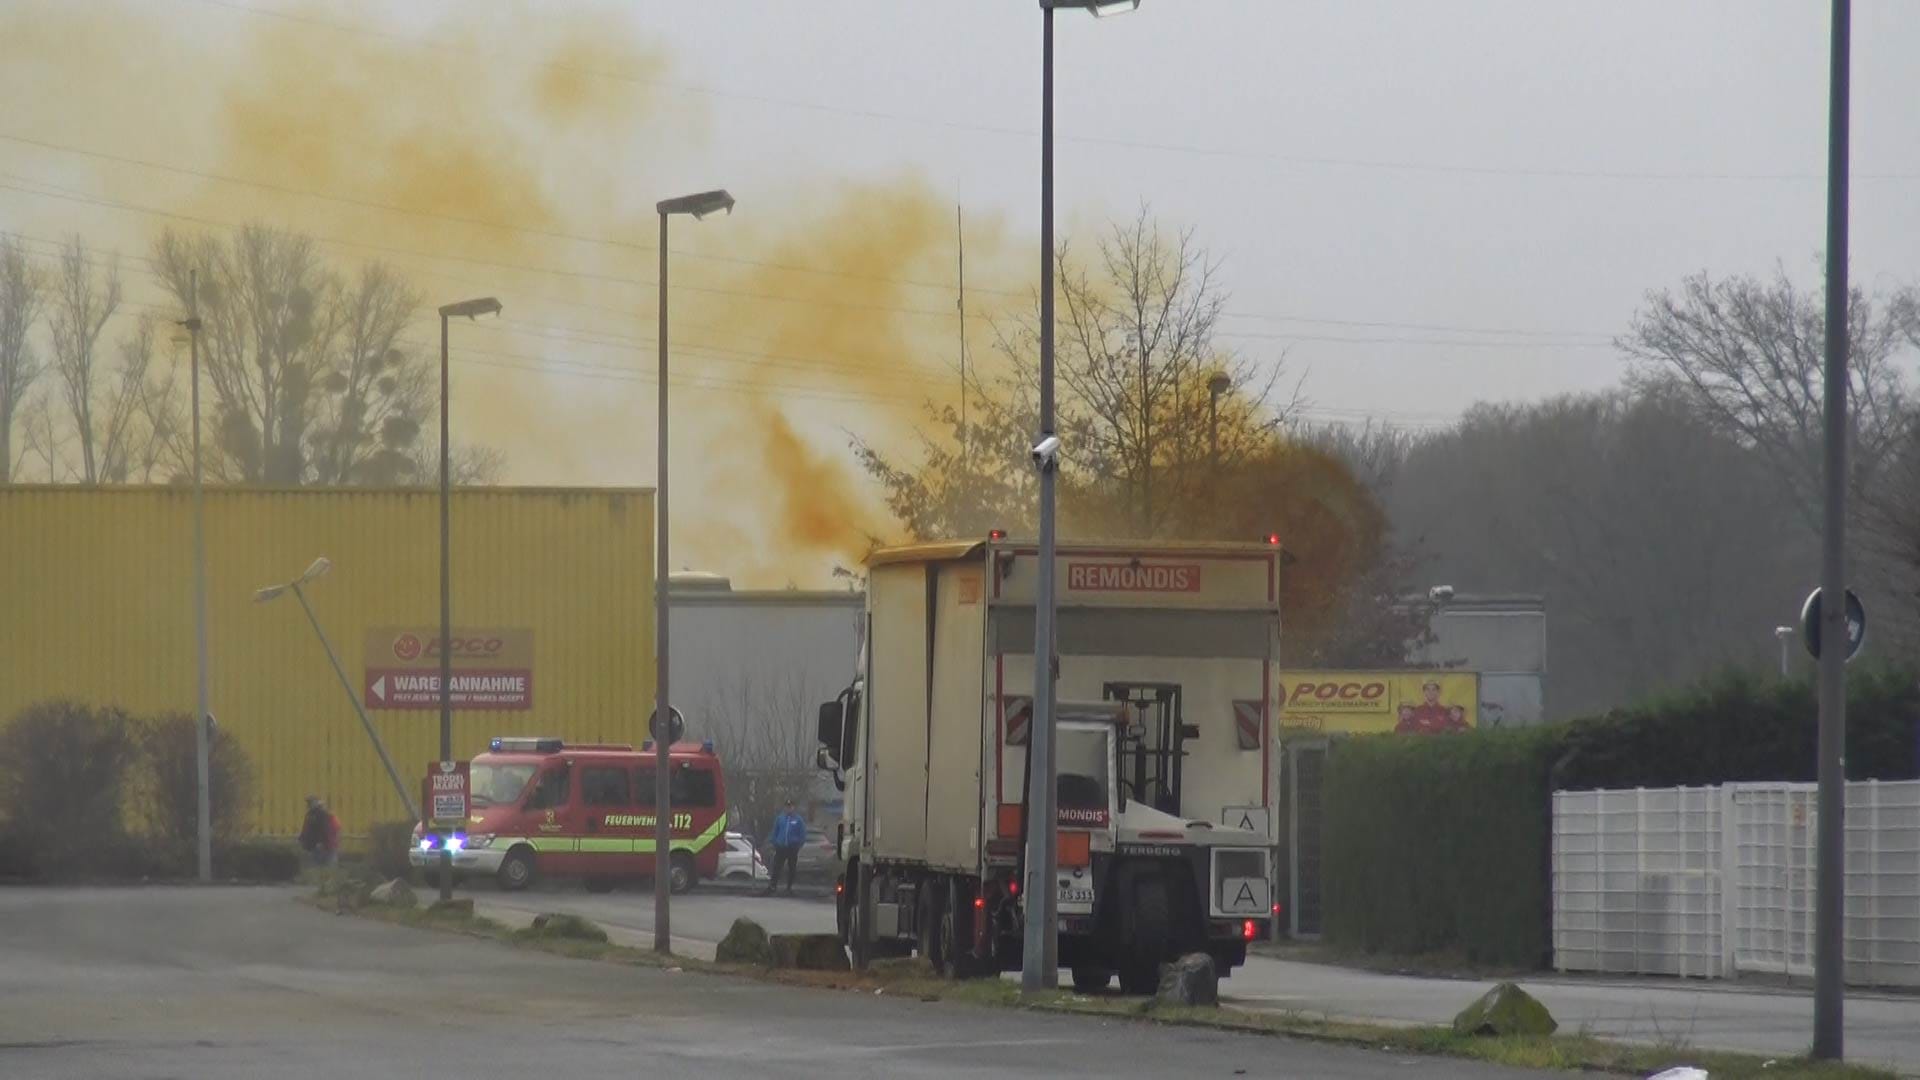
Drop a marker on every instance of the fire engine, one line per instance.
(542, 807)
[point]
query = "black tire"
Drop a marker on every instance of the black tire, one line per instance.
(956, 935)
(599, 885)
(1090, 980)
(516, 870)
(932, 913)
(843, 911)
(681, 875)
(1150, 929)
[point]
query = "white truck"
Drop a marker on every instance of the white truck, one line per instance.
(1167, 778)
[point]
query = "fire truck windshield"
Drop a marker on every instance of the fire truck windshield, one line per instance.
(499, 783)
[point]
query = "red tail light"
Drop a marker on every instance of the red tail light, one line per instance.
(1013, 888)
(979, 903)
(1249, 929)
(839, 888)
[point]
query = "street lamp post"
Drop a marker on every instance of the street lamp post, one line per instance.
(1216, 386)
(697, 206)
(1829, 934)
(202, 739)
(471, 309)
(1040, 956)
(318, 569)
(1785, 635)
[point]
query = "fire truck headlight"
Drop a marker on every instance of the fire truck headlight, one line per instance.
(426, 843)
(455, 843)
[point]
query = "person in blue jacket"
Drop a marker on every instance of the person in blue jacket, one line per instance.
(789, 833)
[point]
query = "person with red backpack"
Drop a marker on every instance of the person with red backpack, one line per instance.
(320, 833)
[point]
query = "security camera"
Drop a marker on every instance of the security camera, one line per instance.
(1440, 594)
(1046, 454)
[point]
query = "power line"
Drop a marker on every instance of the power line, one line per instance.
(1375, 164)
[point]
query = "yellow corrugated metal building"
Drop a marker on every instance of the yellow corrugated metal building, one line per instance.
(96, 602)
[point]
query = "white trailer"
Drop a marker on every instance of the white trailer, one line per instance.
(1167, 778)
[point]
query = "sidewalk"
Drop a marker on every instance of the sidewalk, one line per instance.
(1882, 1029)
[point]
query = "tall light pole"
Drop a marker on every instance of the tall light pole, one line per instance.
(1216, 386)
(1785, 635)
(697, 206)
(313, 573)
(471, 309)
(1829, 939)
(202, 750)
(1040, 955)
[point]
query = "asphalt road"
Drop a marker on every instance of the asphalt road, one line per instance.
(1881, 1029)
(218, 982)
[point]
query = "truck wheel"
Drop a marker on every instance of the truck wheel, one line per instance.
(1152, 925)
(932, 917)
(681, 876)
(956, 934)
(843, 911)
(1090, 980)
(516, 871)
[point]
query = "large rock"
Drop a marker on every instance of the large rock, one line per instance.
(1505, 1010)
(808, 952)
(571, 927)
(395, 893)
(746, 943)
(1190, 980)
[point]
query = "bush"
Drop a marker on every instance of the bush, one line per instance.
(258, 860)
(1739, 728)
(63, 770)
(171, 788)
(1439, 845)
(388, 844)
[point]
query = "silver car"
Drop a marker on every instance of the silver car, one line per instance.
(740, 862)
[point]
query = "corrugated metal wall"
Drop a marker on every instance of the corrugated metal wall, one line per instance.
(96, 601)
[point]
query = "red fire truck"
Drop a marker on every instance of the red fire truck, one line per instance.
(542, 807)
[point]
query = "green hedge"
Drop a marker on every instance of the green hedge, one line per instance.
(1438, 845)
(1441, 844)
(1737, 728)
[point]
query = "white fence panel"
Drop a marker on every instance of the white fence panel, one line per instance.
(1716, 881)
(1636, 881)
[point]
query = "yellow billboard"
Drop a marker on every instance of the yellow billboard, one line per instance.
(1376, 702)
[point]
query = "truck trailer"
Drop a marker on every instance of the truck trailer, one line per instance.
(1166, 776)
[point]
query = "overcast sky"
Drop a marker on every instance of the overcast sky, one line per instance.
(1418, 204)
(1367, 169)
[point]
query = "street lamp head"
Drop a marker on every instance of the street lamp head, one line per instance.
(1099, 8)
(319, 569)
(1783, 632)
(471, 309)
(706, 202)
(261, 596)
(1219, 384)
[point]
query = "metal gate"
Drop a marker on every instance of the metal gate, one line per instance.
(1306, 768)
(1774, 830)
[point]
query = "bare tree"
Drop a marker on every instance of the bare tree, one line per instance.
(22, 291)
(760, 726)
(1748, 357)
(82, 306)
(311, 381)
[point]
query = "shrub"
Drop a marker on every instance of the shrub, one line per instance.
(388, 844)
(63, 769)
(171, 785)
(1439, 844)
(1739, 728)
(258, 860)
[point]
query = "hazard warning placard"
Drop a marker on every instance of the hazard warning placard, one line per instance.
(492, 668)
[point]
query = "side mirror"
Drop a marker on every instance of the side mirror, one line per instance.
(831, 714)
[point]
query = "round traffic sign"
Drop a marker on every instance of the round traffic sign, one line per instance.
(1856, 624)
(676, 724)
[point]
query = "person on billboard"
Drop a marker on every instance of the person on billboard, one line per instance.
(1456, 718)
(1407, 725)
(1430, 715)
